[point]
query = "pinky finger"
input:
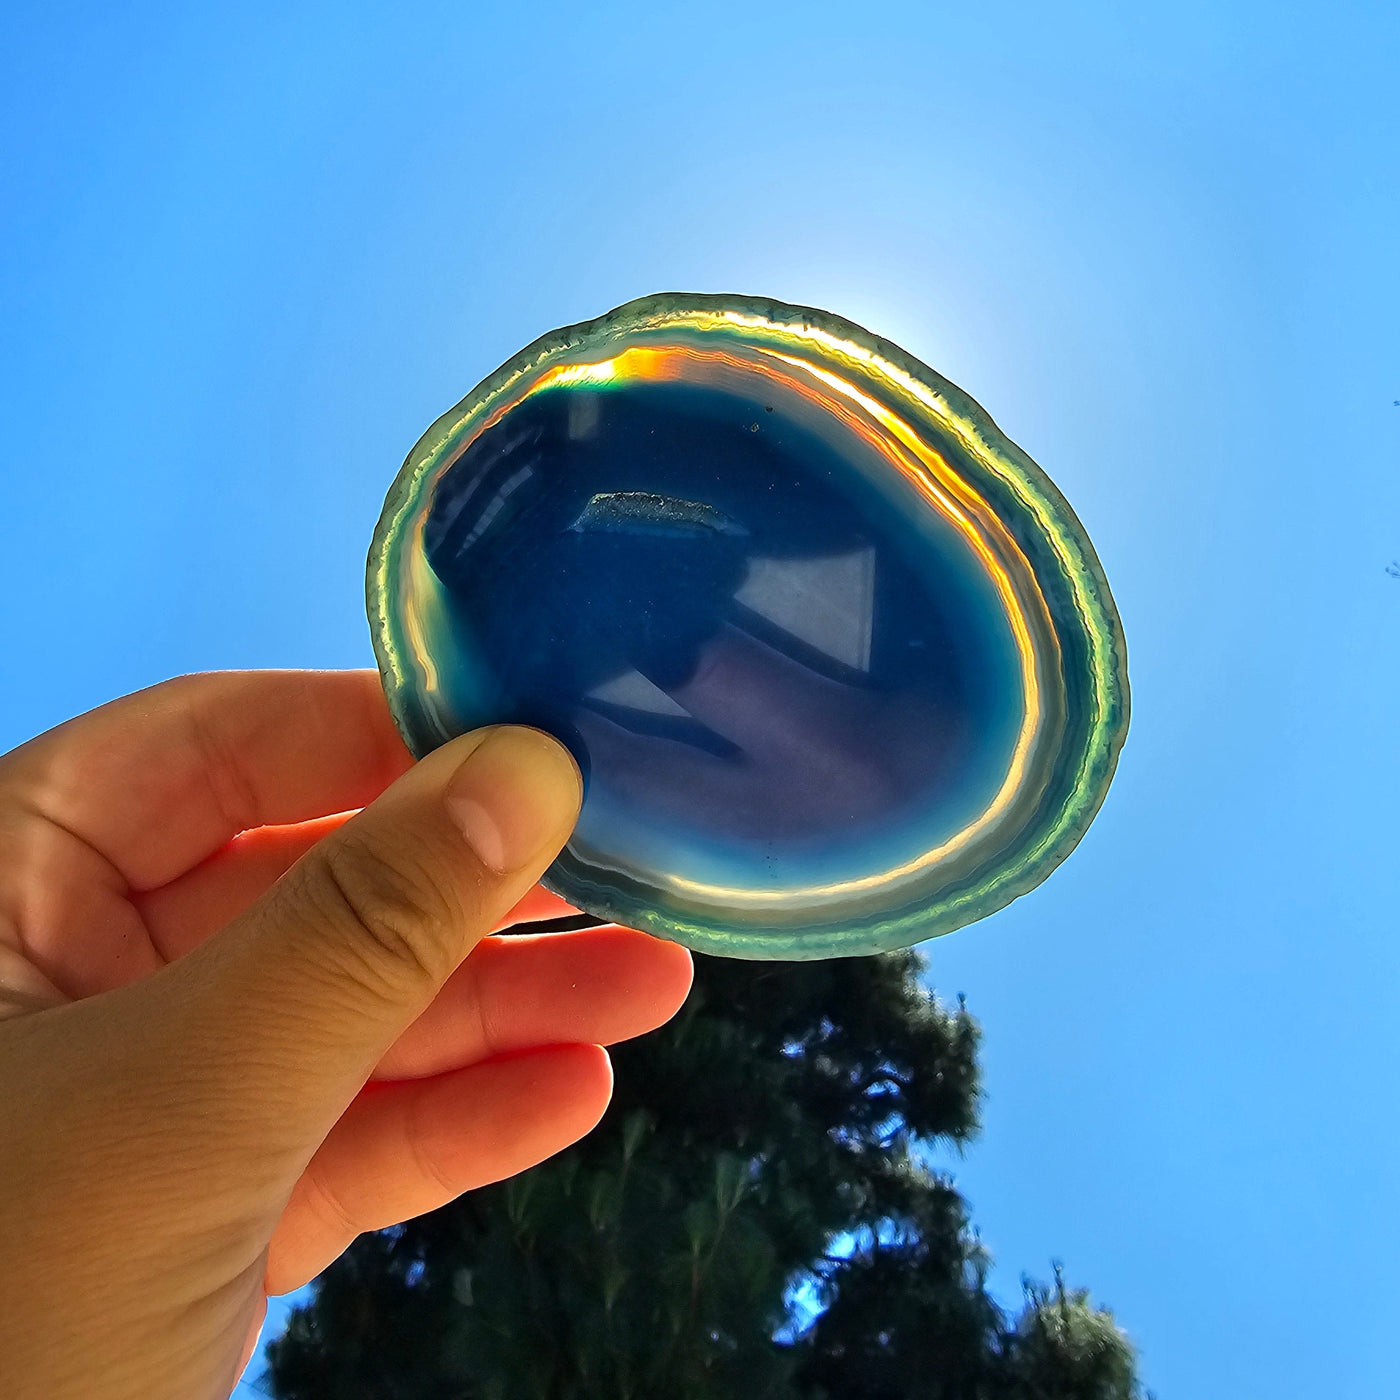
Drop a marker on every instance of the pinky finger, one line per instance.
(405, 1148)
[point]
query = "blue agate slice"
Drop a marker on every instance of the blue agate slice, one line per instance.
(837, 661)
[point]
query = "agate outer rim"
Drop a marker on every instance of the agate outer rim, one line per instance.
(947, 410)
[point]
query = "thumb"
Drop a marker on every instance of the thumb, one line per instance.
(298, 999)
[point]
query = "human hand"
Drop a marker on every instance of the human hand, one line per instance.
(235, 1031)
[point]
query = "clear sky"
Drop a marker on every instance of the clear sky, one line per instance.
(250, 251)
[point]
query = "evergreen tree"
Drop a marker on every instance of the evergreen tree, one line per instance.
(765, 1157)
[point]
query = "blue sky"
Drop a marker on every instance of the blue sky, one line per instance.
(251, 251)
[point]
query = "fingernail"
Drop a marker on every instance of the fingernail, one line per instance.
(517, 791)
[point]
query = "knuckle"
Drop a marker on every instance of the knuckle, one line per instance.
(231, 785)
(400, 913)
(328, 1207)
(424, 1159)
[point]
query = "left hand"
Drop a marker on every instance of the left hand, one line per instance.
(214, 1077)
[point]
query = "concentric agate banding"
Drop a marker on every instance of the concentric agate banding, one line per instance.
(928, 479)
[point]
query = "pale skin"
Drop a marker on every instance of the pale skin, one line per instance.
(242, 1021)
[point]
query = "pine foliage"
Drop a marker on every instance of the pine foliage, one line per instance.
(756, 1218)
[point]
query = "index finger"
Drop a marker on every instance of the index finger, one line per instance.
(159, 780)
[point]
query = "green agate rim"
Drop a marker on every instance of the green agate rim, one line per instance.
(1064, 563)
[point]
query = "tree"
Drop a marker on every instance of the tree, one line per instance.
(756, 1218)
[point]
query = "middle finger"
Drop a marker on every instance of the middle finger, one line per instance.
(591, 986)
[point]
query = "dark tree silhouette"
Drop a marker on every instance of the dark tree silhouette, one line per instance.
(756, 1218)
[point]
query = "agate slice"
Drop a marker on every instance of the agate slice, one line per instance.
(837, 661)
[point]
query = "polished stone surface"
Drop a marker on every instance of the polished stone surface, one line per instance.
(838, 664)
